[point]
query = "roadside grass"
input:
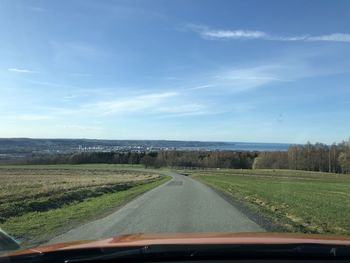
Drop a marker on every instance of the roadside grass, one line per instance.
(40, 188)
(39, 201)
(300, 201)
(37, 227)
(72, 166)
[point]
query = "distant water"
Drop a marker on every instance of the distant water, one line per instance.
(242, 146)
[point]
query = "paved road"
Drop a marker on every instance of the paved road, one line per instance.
(181, 205)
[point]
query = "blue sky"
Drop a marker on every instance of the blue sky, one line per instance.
(255, 71)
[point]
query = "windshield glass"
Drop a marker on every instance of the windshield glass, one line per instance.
(123, 117)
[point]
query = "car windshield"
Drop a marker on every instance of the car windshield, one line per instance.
(172, 117)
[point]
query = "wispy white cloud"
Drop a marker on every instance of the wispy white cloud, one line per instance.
(170, 104)
(235, 34)
(240, 79)
(216, 34)
(204, 86)
(51, 84)
(288, 38)
(21, 70)
(249, 77)
(337, 37)
(69, 97)
(133, 104)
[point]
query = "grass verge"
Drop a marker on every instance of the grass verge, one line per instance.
(298, 201)
(37, 227)
(30, 188)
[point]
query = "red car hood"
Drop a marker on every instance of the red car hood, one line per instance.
(191, 239)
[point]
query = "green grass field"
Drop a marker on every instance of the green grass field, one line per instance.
(39, 202)
(300, 201)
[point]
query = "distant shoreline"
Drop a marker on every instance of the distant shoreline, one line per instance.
(29, 145)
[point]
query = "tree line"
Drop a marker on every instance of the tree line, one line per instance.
(310, 157)
(205, 159)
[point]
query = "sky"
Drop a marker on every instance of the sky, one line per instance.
(251, 71)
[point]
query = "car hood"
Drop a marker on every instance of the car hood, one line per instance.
(136, 240)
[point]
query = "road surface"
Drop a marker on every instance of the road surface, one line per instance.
(180, 205)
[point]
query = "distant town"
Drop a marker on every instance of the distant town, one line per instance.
(13, 148)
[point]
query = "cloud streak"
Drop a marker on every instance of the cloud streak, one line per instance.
(235, 34)
(337, 37)
(155, 104)
(247, 77)
(21, 70)
(241, 79)
(133, 104)
(217, 34)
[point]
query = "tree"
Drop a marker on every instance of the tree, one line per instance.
(272, 160)
(344, 162)
(148, 161)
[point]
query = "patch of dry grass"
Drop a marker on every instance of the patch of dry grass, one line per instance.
(40, 188)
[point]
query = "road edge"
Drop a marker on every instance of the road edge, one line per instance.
(262, 220)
